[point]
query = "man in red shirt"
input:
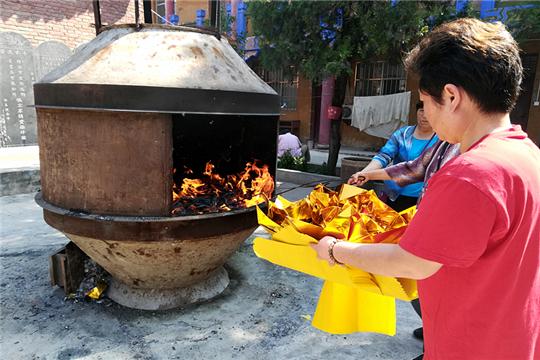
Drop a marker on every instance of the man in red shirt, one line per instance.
(474, 244)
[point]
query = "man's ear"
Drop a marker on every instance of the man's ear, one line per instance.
(452, 96)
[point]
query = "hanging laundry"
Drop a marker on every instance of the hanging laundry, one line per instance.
(381, 115)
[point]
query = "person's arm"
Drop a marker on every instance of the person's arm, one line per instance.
(404, 173)
(433, 237)
(381, 160)
(363, 176)
(414, 171)
(408, 172)
(382, 259)
(388, 152)
(373, 165)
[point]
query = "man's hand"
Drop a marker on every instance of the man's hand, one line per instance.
(359, 178)
(322, 249)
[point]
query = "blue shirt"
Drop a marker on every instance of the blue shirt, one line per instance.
(403, 146)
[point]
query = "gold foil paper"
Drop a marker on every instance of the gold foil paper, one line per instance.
(97, 291)
(351, 299)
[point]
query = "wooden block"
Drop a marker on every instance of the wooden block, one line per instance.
(66, 267)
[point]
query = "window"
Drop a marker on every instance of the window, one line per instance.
(285, 86)
(160, 10)
(379, 78)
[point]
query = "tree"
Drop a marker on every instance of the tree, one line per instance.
(524, 23)
(322, 38)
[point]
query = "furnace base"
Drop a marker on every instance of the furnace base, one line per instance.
(164, 299)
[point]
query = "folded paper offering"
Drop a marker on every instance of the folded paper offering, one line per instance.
(351, 299)
(96, 292)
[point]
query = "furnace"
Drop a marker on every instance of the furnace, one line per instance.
(123, 124)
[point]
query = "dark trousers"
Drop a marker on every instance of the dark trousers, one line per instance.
(402, 202)
(416, 306)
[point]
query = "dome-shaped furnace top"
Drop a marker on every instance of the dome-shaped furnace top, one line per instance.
(157, 68)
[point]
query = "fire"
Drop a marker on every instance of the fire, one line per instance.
(215, 193)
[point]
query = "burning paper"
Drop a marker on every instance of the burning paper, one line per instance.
(351, 299)
(215, 193)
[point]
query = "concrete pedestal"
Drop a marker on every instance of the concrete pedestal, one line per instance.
(164, 299)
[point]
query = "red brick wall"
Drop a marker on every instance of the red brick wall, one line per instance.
(67, 21)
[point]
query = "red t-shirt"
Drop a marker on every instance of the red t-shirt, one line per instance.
(480, 218)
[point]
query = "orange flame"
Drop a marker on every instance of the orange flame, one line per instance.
(214, 193)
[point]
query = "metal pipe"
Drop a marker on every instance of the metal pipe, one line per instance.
(214, 9)
(97, 16)
(137, 20)
(218, 16)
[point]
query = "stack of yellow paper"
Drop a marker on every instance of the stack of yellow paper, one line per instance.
(351, 300)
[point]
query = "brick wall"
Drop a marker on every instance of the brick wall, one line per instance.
(67, 21)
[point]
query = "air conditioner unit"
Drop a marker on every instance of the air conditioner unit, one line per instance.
(346, 113)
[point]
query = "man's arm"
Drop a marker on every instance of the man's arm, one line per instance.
(385, 156)
(373, 165)
(413, 171)
(383, 259)
(387, 153)
(453, 227)
(361, 177)
(404, 173)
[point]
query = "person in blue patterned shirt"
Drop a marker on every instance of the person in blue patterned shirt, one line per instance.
(405, 144)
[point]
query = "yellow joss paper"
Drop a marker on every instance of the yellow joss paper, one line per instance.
(319, 199)
(390, 237)
(393, 287)
(315, 231)
(329, 213)
(358, 231)
(346, 211)
(339, 228)
(275, 213)
(283, 203)
(289, 235)
(408, 213)
(285, 208)
(409, 286)
(266, 222)
(351, 299)
(97, 291)
(304, 259)
(344, 309)
(300, 210)
(348, 191)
